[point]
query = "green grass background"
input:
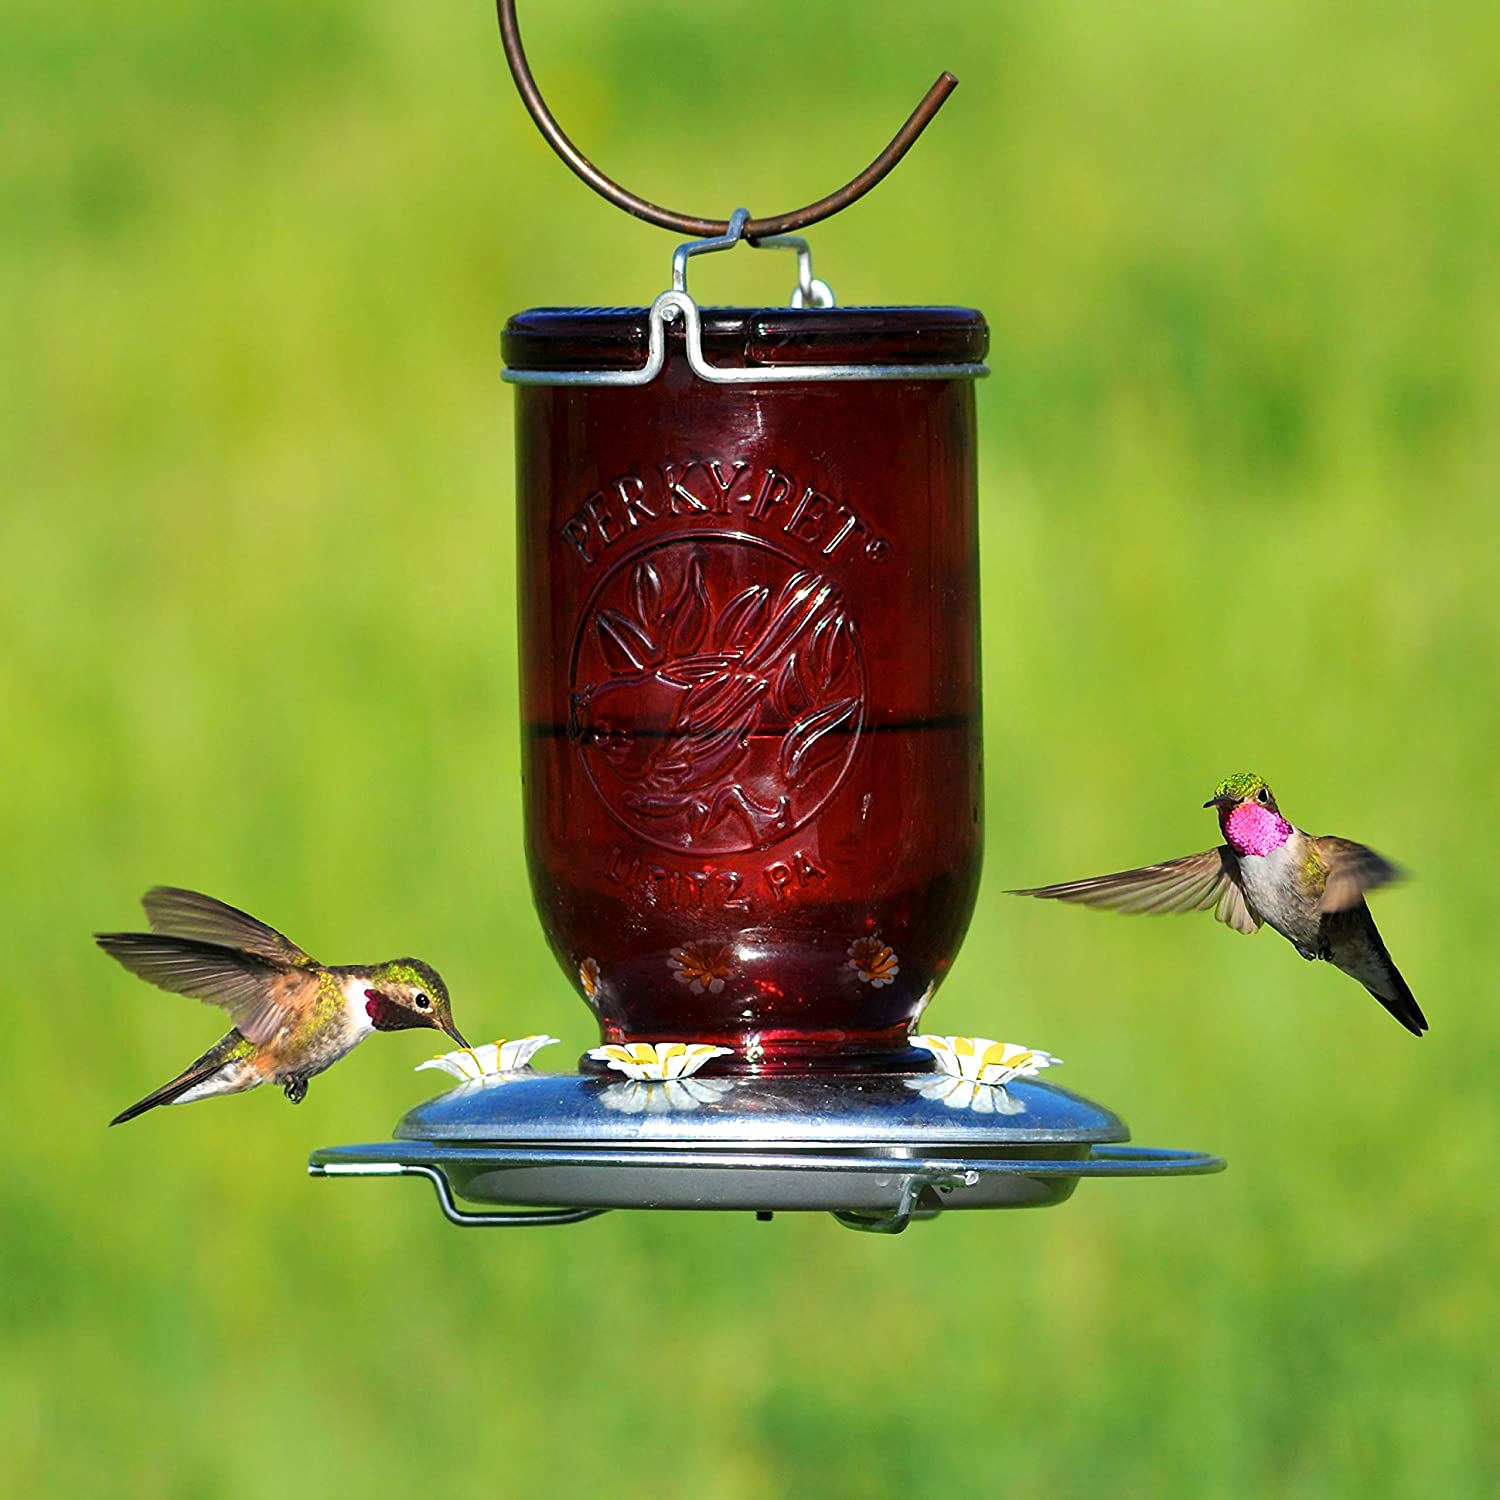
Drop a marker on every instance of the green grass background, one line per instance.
(1239, 474)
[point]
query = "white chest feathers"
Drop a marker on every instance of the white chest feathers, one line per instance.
(356, 1005)
(1273, 887)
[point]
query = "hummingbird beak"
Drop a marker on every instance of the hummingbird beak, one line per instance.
(447, 1025)
(1220, 802)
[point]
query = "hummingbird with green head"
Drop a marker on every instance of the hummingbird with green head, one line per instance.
(293, 1017)
(1309, 889)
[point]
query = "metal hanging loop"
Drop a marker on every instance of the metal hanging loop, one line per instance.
(665, 218)
(810, 290)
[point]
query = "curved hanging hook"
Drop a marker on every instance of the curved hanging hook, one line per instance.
(665, 218)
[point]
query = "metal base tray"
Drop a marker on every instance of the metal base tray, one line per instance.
(864, 1190)
(876, 1151)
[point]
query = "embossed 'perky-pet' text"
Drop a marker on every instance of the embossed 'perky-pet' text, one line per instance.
(763, 496)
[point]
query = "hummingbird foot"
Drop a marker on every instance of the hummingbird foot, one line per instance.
(296, 1088)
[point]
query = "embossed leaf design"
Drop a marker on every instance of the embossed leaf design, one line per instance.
(817, 645)
(831, 651)
(625, 645)
(797, 605)
(809, 743)
(799, 583)
(809, 689)
(690, 613)
(646, 593)
(743, 618)
(790, 697)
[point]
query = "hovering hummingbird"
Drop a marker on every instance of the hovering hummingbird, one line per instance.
(292, 1016)
(1310, 889)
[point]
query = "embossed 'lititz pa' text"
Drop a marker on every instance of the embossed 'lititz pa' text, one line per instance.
(763, 496)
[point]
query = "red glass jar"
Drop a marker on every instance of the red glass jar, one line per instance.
(750, 674)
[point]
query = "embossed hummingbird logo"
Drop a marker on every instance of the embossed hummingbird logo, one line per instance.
(694, 685)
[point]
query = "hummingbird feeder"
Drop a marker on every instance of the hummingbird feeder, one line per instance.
(752, 761)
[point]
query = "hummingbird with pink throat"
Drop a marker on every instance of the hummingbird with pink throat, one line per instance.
(1310, 889)
(293, 1017)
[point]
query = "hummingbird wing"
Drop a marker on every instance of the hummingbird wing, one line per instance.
(1193, 883)
(710, 731)
(1352, 869)
(691, 671)
(259, 996)
(190, 914)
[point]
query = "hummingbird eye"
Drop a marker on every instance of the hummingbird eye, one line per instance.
(1263, 795)
(421, 1001)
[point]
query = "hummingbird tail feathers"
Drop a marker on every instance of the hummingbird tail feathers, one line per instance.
(1395, 994)
(227, 1062)
(168, 1093)
(1370, 963)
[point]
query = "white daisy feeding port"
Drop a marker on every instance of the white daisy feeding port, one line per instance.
(750, 720)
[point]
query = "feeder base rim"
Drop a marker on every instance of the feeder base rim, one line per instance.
(870, 1190)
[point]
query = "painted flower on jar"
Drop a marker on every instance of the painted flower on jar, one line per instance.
(702, 967)
(589, 978)
(873, 961)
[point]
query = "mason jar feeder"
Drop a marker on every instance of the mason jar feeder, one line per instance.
(749, 635)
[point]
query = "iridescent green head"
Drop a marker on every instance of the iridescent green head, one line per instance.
(406, 993)
(1243, 786)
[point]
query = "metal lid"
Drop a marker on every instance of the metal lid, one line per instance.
(618, 338)
(907, 1110)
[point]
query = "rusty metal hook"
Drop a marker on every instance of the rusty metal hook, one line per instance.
(665, 218)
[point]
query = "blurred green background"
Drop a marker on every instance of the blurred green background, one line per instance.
(1239, 474)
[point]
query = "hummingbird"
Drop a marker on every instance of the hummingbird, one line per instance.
(1309, 889)
(293, 1017)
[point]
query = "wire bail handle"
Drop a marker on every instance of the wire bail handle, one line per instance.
(810, 291)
